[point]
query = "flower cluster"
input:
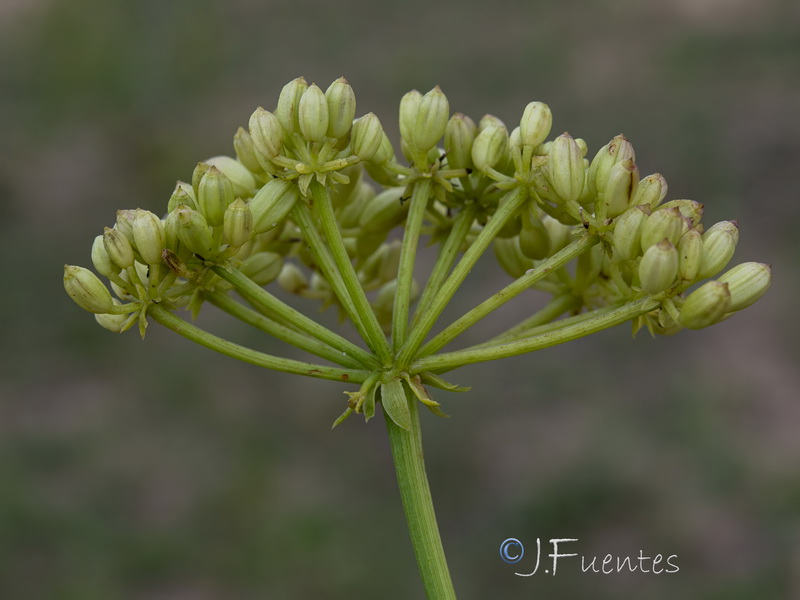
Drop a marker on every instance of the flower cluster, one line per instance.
(311, 202)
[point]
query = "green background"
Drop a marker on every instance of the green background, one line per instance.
(158, 471)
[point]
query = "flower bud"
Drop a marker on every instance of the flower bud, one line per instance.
(458, 138)
(266, 133)
(719, 244)
(384, 212)
(100, 259)
(707, 305)
(510, 256)
(534, 239)
(367, 137)
(194, 232)
(658, 267)
(214, 195)
(431, 120)
(263, 267)
(747, 282)
(313, 114)
(385, 152)
(86, 289)
(148, 234)
(409, 109)
(534, 127)
(615, 151)
(292, 279)
(124, 223)
(237, 225)
(560, 235)
(515, 141)
(272, 203)
(691, 211)
(690, 255)
(627, 231)
(197, 175)
(620, 185)
(114, 323)
(287, 109)
(341, 101)
(117, 248)
(240, 177)
(183, 195)
(566, 167)
(663, 223)
(245, 150)
(650, 191)
(490, 147)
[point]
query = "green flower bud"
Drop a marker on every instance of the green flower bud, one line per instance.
(534, 127)
(241, 178)
(263, 267)
(117, 248)
(266, 133)
(658, 267)
(566, 166)
(287, 109)
(747, 282)
(114, 323)
(719, 244)
(560, 235)
(515, 140)
(620, 185)
(663, 223)
(615, 151)
(627, 231)
(431, 120)
(384, 212)
(650, 191)
(409, 109)
(100, 259)
(183, 195)
(292, 279)
(488, 120)
(490, 147)
(341, 101)
(194, 232)
(124, 223)
(367, 137)
(691, 211)
(534, 239)
(148, 234)
(214, 195)
(197, 175)
(237, 225)
(86, 289)
(458, 138)
(690, 255)
(385, 153)
(510, 256)
(313, 114)
(272, 203)
(707, 305)
(245, 150)
(583, 146)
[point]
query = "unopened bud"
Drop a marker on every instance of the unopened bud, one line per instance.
(620, 185)
(615, 151)
(241, 178)
(367, 137)
(194, 232)
(341, 101)
(386, 151)
(560, 235)
(117, 248)
(663, 223)
(197, 175)
(534, 239)
(707, 305)
(719, 244)
(183, 195)
(658, 267)
(238, 223)
(431, 120)
(566, 167)
(510, 256)
(114, 323)
(490, 147)
(535, 125)
(747, 282)
(384, 212)
(100, 259)
(313, 114)
(263, 267)
(272, 203)
(288, 103)
(125, 222)
(214, 195)
(691, 211)
(245, 150)
(148, 234)
(409, 109)
(690, 255)
(458, 138)
(627, 232)
(650, 191)
(86, 289)
(292, 279)
(266, 133)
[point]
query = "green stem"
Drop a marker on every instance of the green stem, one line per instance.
(447, 257)
(375, 338)
(506, 210)
(262, 300)
(552, 310)
(248, 355)
(452, 360)
(281, 332)
(408, 253)
(512, 290)
(415, 493)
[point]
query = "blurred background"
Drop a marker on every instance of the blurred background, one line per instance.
(158, 470)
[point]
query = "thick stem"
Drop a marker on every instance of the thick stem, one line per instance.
(248, 355)
(447, 361)
(415, 492)
(544, 316)
(408, 252)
